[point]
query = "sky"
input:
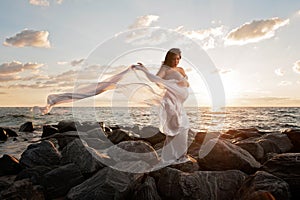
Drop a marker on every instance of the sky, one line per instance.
(251, 46)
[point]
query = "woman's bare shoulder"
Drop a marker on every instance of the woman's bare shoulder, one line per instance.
(181, 70)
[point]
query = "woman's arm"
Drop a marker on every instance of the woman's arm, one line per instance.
(162, 72)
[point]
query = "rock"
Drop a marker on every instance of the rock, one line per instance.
(174, 184)
(254, 148)
(223, 155)
(268, 146)
(6, 181)
(133, 151)
(118, 136)
(263, 181)
(49, 130)
(97, 143)
(9, 165)
(67, 125)
(152, 135)
(294, 136)
(146, 190)
(242, 133)
(78, 153)
(190, 166)
(287, 167)
(3, 134)
(59, 181)
(10, 133)
(23, 189)
(34, 174)
(96, 133)
(26, 127)
(43, 153)
(281, 141)
(105, 184)
(199, 138)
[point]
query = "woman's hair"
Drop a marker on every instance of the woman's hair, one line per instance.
(170, 54)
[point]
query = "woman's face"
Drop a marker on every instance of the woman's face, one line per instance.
(175, 60)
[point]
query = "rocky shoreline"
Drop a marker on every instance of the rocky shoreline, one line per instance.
(242, 164)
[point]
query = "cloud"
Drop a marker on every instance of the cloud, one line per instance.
(208, 38)
(6, 78)
(222, 71)
(29, 38)
(285, 83)
(296, 67)
(255, 31)
(3, 93)
(144, 21)
(43, 3)
(39, 2)
(279, 72)
(76, 62)
(15, 67)
(62, 63)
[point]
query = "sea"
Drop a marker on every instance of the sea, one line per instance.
(265, 119)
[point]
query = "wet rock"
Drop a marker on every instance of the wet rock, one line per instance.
(287, 167)
(59, 181)
(174, 184)
(133, 151)
(223, 155)
(3, 134)
(34, 174)
(49, 130)
(11, 133)
(146, 190)
(79, 154)
(97, 143)
(96, 133)
(9, 165)
(105, 184)
(22, 189)
(26, 127)
(263, 181)
(67, 125)
(43, 153)
(118, 136)
(294, 136)
(268, 146)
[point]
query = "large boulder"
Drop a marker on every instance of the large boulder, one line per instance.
(241, 134)
(34, 174)
(105, 184)
(67, 125)
(43, 153)
(26, 127)
(146, 190)
(264, 182)
(22, 189)
(294, 136)
(281, 141)
(3, 134)
(213, 185)
(59, 181)
(9, 165)
(287, 167)
(254, 148)
(222, 155)
(80, 154)
(49, 130)
(119, 135)
(133, 151)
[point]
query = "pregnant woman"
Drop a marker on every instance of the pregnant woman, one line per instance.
(172, 80)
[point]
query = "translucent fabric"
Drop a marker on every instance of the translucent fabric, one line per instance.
(167, 94)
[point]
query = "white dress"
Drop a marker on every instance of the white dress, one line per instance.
(174, 122)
